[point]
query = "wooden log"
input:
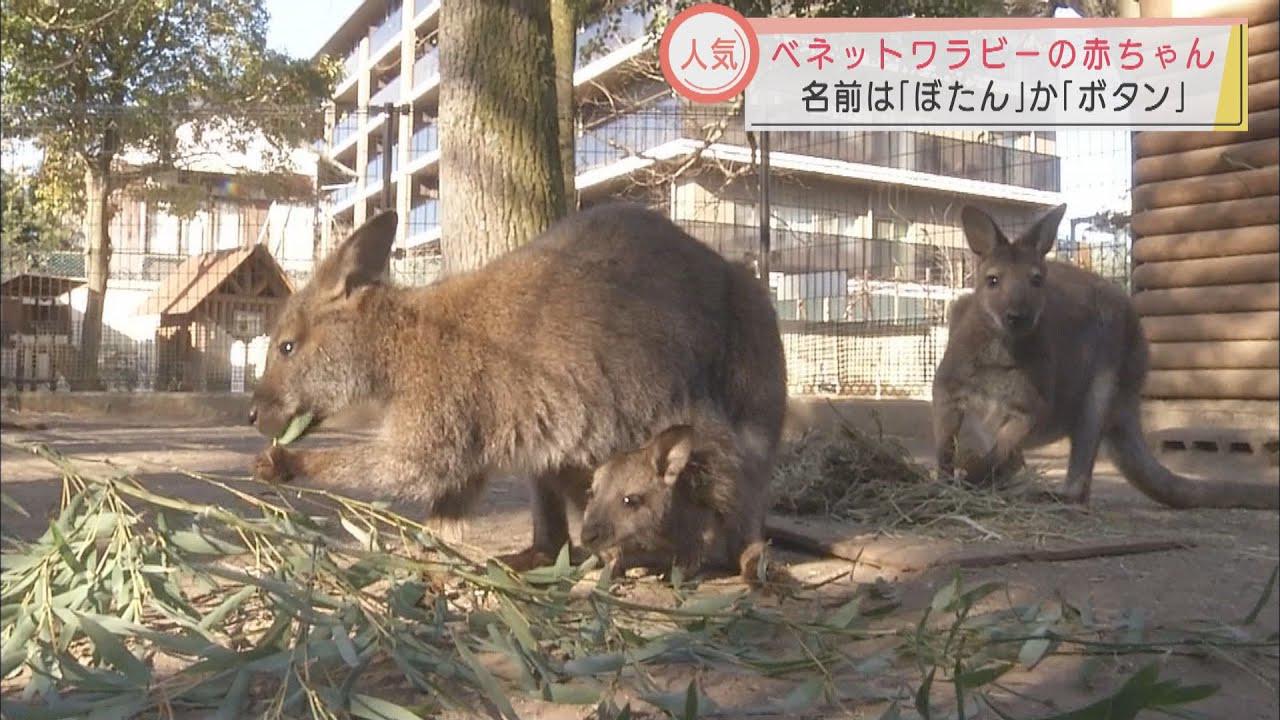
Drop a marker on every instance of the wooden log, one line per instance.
(1212, 326)
(1231, 270)
(1213, 299)
(1263, 67)
(1207, 161)
(1263, 96)
(1220, 354)
(1262, 125)
(1213, 243)
(1207, 189)
(1215, 384)
(1211, 216)
(1264, 38)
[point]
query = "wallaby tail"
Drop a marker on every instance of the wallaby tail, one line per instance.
(1130, 453)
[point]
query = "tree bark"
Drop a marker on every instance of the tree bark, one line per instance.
(500, 177)
(97, 195)
(564, 44)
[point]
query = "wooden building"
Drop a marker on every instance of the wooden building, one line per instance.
(209, 305)
(1206, 249)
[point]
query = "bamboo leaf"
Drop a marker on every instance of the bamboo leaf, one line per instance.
(983, 675)
(922, 694)
(1033, 651)
(346, 649)
(946, 595)
(486, 680)
(13, 505)
(573, 694)
(114, 652)
(366, 707)
(237, 697)
(1266, 596)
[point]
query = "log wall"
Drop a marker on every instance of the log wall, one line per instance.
(1206, 228)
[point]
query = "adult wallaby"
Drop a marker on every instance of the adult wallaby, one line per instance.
(1043, 350)
(544, 363)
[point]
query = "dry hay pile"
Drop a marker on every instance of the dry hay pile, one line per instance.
(870, 479)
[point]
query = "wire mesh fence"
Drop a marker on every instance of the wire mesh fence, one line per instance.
(861, 244)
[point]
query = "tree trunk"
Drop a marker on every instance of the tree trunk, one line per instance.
(500, 176)
(564, 45)
(97, 192)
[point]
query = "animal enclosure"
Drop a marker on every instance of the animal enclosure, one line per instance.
(857, 234)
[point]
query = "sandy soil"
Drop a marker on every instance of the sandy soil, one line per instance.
(1220, 577)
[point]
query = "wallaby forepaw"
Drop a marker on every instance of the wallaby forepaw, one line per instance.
(273, 465)
(527, 559)
(756, 570)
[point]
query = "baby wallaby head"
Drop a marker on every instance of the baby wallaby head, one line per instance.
(324, 354)
(665, 498)
(1009, 282)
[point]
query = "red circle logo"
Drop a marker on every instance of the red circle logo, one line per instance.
(709, 53)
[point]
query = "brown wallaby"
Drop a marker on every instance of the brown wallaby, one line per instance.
(684, 498)
(1043, 350)
(545, 363)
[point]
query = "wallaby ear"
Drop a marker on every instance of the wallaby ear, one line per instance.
(1044, 232)
(980, 230)
(672, 450)
(363, 258)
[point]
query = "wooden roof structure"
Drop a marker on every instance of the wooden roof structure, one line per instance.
(238, 275)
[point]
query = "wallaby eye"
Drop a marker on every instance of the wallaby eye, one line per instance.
(286, 348)
(993, 280)
(1037, 280)
(631, 501)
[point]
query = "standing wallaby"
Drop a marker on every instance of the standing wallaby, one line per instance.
(684, 498)
(545, 363)
(1043, 350)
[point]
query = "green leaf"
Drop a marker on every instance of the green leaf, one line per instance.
(237, 697)
(13, 505)
(361, 535)
(487, 682)
(691, 701)
(1266, 595)
(946, 595)
(981, 676)
(922, 694)
(366, 707)
(573, 694)
(1033, 651)
(198, 542)
(595, 664)
(519, 626)
(974, 595)
(847, 613)
(114, 652)
(64, 549)
(346, 649)
(224, 608)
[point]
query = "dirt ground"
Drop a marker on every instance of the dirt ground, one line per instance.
(1222, 576)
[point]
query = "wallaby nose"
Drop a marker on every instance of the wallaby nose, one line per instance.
(1016, 318)
(253, 415)
(590, 534)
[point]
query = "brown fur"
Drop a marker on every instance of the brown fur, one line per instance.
(1030, 361)
(684, 498)
(544, 363)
